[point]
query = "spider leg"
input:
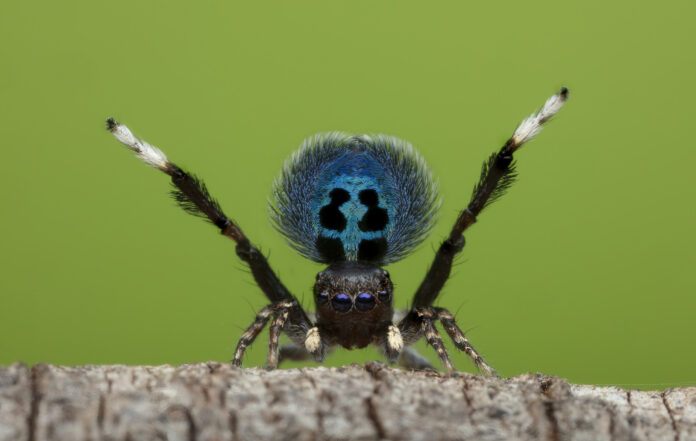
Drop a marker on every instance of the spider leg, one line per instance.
(285, 320)
(293, 352)
(461, 342)
(192, 195)
(412, 360)
(251, 333)
(497, 175)
(274, 338)
(421, 323)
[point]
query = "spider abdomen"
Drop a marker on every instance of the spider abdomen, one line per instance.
(366, 198)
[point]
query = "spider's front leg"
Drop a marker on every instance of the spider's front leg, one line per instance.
(193, 196)
(420, 322)
(497, 175)
(281, 312)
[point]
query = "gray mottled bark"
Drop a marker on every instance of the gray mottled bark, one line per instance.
(213, 401)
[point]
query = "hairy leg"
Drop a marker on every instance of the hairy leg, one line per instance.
(293, 352)
(192, 195)
(497, 175)
(420, 322)
(412, 360)
(274, 338)
(461, 342)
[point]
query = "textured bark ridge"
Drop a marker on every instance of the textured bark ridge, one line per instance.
(214, 401)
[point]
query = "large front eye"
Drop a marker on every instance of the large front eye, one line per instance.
(364, 302)
(341, 302)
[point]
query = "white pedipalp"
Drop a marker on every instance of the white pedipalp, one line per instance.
(394, 339)
(312, 340)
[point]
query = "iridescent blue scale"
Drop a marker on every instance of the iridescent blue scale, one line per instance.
(344, 197)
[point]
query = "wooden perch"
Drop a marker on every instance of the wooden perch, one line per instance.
(214, 401)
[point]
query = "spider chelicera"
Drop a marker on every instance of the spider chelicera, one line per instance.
(355, 203)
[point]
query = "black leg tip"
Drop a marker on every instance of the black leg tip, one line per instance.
(111, 124)
(563, 92)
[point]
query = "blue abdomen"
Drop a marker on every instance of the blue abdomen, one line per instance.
(342, 197)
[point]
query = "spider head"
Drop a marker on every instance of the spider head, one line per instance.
(353, 288)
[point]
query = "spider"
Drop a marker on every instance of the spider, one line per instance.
(355, 203)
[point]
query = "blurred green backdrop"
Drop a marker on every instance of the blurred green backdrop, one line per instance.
(584, 270)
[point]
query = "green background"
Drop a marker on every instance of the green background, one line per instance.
(583, 270)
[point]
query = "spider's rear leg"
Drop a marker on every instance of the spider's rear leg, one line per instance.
(193, 196)
(497, 174)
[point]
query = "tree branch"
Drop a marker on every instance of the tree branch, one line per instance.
(214, 401)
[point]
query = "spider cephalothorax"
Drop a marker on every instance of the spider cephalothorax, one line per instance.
(355, 203)
(353, 303)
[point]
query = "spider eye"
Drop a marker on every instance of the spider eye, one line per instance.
(322, 297)
(383, 296)
(364, 302)
(341, 302)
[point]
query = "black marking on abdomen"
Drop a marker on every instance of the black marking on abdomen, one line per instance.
(330, 217)
(330, 249)
(372, 250)
(376, 218)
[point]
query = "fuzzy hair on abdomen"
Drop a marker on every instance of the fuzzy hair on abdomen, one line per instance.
(354, 197)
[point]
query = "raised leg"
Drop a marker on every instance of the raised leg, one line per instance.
(497, 175)
(193, 196)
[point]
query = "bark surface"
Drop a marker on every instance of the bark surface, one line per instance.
(214, 401)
